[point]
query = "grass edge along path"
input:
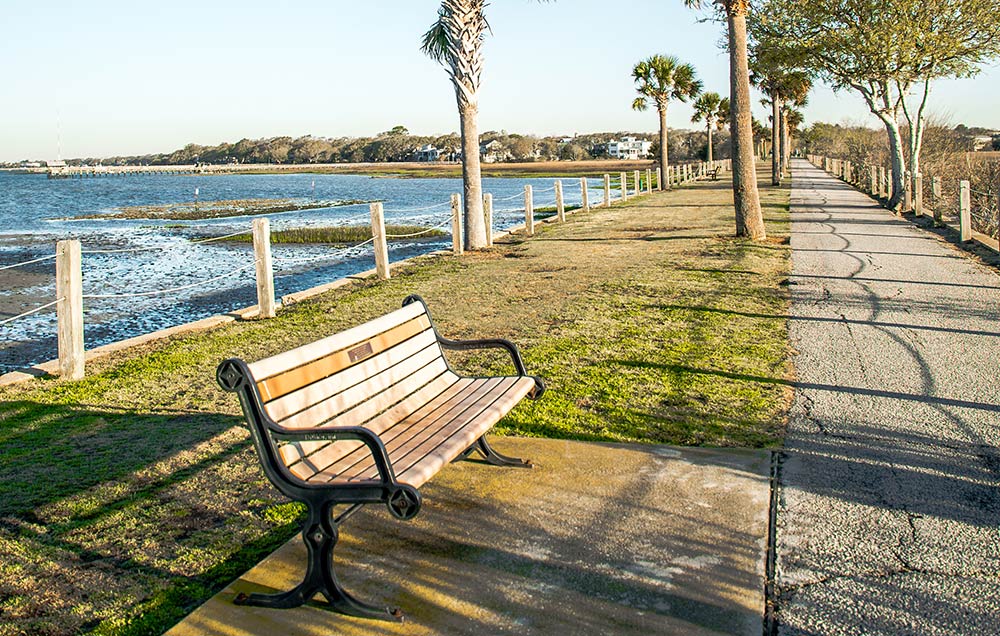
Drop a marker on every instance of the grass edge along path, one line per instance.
(130, 497)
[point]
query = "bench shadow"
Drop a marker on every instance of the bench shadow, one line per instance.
(562, 561)
(53, 451)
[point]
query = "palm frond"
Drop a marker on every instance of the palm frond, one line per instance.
(435, 42)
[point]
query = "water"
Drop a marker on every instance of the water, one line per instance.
(36, 211)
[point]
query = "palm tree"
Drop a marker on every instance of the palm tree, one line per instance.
(714, 111)
(456, 41)
(749, 219)
(660, 79)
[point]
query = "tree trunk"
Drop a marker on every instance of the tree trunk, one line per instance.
(749, 220)
(472, 179)
(775, 141)
(662, 110)
(786, 150)
(897, 160)
(710, 141)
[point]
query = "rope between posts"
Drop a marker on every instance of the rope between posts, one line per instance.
(425, 231)
(173, 289)
(324, 257)
(35, 260)
(427, 207)
(32, 311)
(163, 247)
(513, 196)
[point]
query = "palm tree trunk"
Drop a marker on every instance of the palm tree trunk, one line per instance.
(472, 178)
(775, 142)
(709, 141)
(663, 146)
(749, 220)
(785, 148)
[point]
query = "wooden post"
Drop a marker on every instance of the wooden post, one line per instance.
(607, 190)
(998, 218)
(265, 271)
(623, 186)
(881, 183)
(659, 179)
(488, 217)
(649, 181)
(69, 310)
(560, 208)
(918, 194)
(638, 184)
(874, 175)
(456, 225)
(529, 212)
(378, 233)
(584, 195)
(907, 192)
(936, 199)
(965, 210)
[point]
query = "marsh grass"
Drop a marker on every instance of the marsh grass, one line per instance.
(130, 497)
(342, 235)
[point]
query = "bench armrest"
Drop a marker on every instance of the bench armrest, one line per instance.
(489, 343)
(496, 343)
(342, 433)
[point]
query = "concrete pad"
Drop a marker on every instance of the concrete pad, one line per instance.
(597, 539)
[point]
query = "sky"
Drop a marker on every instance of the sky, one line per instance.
(99, 78)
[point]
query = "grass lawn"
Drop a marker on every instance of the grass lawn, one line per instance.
(128, 498)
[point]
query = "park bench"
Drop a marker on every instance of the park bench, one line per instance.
(714, 173)
(367, 415)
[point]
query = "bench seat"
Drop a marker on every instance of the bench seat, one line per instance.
(421, 442)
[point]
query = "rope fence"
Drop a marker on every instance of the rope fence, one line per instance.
(31, 262)
(30, 312)
(947, 200)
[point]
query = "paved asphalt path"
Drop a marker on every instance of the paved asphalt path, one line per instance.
(889, 500)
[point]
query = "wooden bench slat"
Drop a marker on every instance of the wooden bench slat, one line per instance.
(429, 435)
(423, 462)
(426, 466)
(324, 367)
(379, 403)
(411, 431)
(264, 369)
(322, 460)
(315, 393)
(406, 373)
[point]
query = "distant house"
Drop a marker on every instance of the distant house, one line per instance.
(428, 153)
(629, 148)
(493, 152)
(983, 142)
(55, 163)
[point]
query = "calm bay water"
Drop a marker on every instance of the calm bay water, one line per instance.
(140, 256)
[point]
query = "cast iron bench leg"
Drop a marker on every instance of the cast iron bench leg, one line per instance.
(320, 535)
(497, 459)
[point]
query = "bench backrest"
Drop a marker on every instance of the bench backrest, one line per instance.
(354, 375)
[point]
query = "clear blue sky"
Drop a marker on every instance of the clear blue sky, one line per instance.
(114, 77)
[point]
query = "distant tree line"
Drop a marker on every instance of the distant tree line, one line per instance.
(398, 144)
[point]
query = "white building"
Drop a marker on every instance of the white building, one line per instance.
(428, 153)
(629, 148)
